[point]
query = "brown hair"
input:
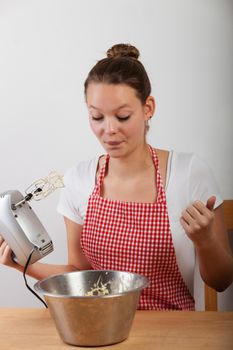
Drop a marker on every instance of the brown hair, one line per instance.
(121, 67)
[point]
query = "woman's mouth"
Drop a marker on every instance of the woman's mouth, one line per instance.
(114, 143)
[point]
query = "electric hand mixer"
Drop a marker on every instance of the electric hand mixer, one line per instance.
(19, 225)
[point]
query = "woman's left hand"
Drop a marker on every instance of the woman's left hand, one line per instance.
(197, 221)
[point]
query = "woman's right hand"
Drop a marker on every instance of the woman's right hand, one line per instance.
(5, 253)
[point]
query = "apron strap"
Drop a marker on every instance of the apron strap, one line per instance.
(102, 174)
(161, 197)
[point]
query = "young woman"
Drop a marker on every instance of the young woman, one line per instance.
(137, 208)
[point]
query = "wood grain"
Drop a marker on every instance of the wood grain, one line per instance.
(164, 330)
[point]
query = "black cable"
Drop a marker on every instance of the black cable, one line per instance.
(25, 279)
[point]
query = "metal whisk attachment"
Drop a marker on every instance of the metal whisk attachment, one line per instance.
(41, 188)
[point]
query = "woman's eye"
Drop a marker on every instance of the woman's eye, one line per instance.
(122, 119)
(97, 118)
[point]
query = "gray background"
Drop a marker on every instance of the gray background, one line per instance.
(46, 50)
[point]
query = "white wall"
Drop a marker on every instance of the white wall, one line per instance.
(47, 48)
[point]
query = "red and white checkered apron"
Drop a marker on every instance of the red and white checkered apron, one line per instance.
(136, 237)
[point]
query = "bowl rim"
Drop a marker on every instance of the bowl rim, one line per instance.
(38, 288)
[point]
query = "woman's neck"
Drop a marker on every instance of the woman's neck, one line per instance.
(133, 164)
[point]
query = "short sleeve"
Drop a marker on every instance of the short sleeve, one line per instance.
(68, 202)
(79, 183)
(202, 184)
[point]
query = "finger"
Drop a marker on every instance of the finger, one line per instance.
(187, 217)
(205, 216)
(201, 208)
(2, 248)
(7, 251)
(193, 212)
(187, 227)
(184, 223)
(210, 203)
(1, 239)
(5, 257)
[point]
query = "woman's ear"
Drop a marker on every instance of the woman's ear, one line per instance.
(149, 107)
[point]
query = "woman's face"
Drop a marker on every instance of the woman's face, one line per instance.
(117, 117)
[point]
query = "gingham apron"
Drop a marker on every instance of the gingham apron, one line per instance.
(136, 237)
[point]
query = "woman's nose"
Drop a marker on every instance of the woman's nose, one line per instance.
(110, 126)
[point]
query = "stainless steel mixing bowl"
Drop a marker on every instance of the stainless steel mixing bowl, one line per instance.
(92, 320)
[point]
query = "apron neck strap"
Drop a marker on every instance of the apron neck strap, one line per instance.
(159, 185)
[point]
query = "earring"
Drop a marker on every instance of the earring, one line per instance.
(147, 126)
(147, 123)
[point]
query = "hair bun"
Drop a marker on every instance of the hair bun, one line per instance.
(123, 50)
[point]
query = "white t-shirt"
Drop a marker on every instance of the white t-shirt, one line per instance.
(188, 179)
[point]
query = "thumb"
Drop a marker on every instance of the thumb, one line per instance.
(210, 203)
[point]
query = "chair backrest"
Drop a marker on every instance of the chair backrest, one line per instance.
(211, 297)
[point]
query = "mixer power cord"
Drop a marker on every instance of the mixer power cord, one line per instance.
(25, 279)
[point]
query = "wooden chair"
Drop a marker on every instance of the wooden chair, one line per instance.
(211, 296)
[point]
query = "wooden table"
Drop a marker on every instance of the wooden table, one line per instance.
(34, 329)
